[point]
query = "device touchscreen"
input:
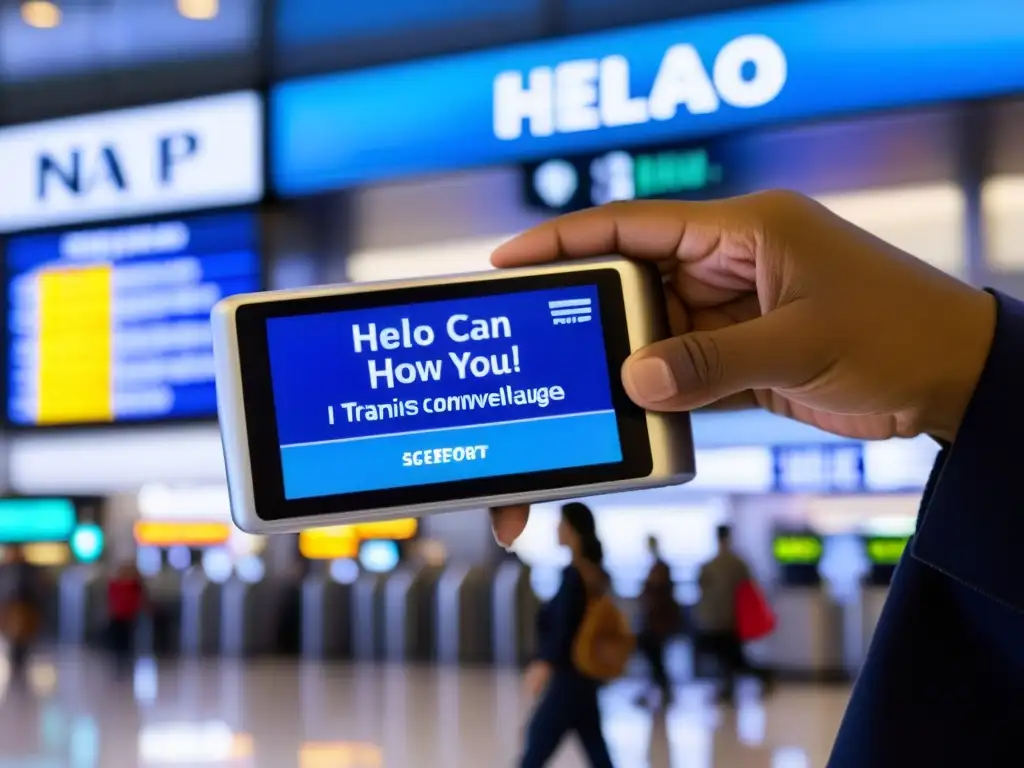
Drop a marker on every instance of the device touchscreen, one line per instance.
(431, 392)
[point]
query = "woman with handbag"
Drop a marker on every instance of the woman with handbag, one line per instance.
(583, 641)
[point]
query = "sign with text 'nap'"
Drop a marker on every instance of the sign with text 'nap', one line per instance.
(168, 158)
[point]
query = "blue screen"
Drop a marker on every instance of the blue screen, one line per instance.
(441, 391)
(661, 82)
(112, 324)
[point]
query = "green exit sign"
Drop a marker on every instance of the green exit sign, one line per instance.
(674, 172)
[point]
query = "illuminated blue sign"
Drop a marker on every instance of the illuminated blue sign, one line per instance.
(654, 83)
(837, 468)
(113, 323)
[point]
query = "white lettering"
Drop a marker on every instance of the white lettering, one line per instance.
(403, 373)
(587, 94)
(769, 74)
(433, 456)
(513, 104)
(682, 80)
(423, 335)
(616, 105)
(460, 361)
(125, 242)
(576, 96)
(479, 329)
(452, 327)
(370, 337)
(480, 366)
(392, 338)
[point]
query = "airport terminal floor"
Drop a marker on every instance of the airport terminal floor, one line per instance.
(73, 712)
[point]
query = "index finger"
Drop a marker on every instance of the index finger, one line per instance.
(648, 230)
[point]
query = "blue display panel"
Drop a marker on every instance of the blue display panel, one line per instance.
(656, 83)
(112, 324)
(441, 391)
(836, 468)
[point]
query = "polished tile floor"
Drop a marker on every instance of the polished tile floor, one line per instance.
(75, 714)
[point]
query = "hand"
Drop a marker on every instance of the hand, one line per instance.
(776, 302)
(536, 677)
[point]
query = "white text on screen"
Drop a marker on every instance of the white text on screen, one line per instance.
(588, 94)
(506, 395)
(460, 328)
(444, 455)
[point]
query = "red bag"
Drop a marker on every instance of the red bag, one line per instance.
(754, 617)
(124, 599)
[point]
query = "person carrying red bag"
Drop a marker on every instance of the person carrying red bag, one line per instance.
(725, 592)
(126, 601)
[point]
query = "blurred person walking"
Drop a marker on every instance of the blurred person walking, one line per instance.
(126, 602)
(661, 618)
(720, 581)
(20, 609)
(568, 694)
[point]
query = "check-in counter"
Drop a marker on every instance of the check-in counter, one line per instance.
(409, 613)
(808, 640)
(514, 615)
(249, 612)
(200, 614)
(464, 615)
(82, 605)
(160, 630)
(327, 618)
(368, 617)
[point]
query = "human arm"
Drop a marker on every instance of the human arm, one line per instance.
(943, 683)
(563, 615)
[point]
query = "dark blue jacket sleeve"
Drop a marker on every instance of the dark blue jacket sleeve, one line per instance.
(562, 619)
(943, 684)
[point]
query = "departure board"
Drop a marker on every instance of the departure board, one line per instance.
(112, 324)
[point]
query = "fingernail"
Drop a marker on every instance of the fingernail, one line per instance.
(499, 542)
(651, 379)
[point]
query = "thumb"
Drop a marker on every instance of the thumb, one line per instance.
(780, 349)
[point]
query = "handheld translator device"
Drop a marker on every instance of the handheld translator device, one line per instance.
(369, 401)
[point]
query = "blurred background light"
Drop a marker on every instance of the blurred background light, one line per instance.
(199, 10)
(41, 14)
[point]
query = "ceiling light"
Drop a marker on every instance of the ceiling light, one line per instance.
(41, 14)
(199, 10)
